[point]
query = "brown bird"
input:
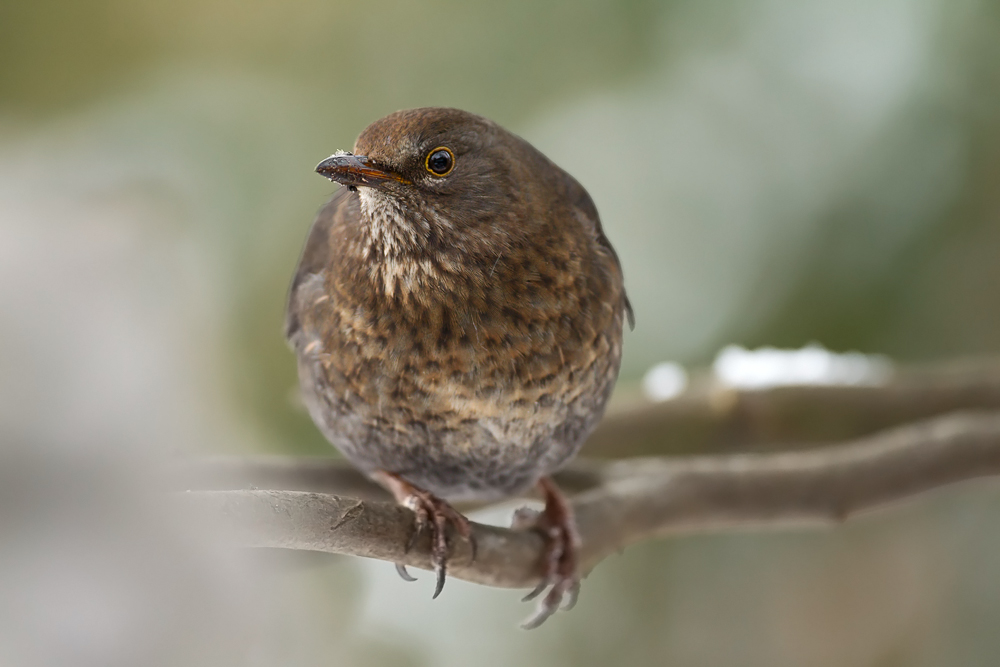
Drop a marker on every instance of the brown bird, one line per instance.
(457, 315)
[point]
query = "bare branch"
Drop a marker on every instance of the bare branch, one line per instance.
(711, 419)
(638, 499)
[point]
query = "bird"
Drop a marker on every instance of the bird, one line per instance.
(457, 315)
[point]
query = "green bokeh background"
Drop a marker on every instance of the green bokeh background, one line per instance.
(771, 173)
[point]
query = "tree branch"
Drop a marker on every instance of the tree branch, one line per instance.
(633, 500)
(712, 419)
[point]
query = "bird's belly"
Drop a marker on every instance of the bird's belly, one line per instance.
(450, 438)
(463, 412)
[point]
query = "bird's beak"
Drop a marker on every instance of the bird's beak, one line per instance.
(355, 170)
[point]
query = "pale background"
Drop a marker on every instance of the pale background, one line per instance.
(770, 172)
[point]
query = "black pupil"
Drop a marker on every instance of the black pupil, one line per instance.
(440, 161)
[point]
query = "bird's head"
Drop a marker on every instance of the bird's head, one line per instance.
(441, 169)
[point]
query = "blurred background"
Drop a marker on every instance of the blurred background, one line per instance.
(771, 173)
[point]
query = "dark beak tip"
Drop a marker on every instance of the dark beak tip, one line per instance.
(329, 166)
(341, 165)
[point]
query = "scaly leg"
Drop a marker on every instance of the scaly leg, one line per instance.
(433, 515)
(561, 545)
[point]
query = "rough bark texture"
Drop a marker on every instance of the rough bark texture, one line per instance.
(620, 503)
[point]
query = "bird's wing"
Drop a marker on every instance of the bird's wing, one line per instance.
(583, 203)
(317, 255)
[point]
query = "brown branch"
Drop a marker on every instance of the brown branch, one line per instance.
(711, 419)
(638, 499)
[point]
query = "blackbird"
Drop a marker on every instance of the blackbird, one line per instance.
(457, 315)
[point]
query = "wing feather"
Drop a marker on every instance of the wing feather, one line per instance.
(316, 256)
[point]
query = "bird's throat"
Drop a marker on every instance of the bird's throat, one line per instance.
(389, 227)
(398, 248)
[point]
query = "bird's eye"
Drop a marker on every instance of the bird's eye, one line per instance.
(440, 161)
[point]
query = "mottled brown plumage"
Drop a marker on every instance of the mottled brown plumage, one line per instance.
(459, 331)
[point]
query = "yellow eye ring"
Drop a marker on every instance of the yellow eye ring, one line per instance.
(439, 161)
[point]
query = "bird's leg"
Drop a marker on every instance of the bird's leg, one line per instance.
(432, 515)
(562, 542)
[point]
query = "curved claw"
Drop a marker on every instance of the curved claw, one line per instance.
(404, 575)
(571, 596)
(551, 602)
(433, 515)
(536, 591)
(556, 523)
(439, 550)
(540, 616)
(440, 570)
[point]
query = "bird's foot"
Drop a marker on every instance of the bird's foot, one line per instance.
(433, 515)
(560, 574)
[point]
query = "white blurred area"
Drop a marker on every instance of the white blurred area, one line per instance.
(768, 367)
(113, 307)
(107, 342)
(664, 381)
